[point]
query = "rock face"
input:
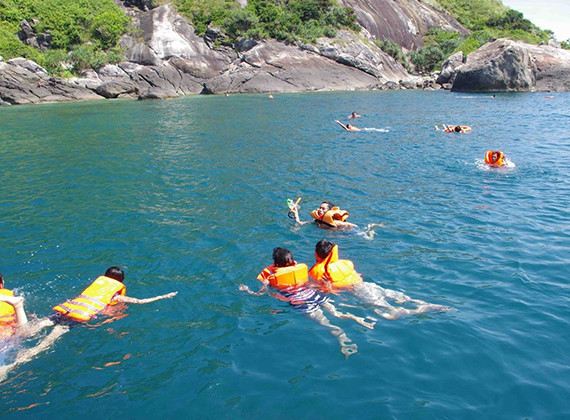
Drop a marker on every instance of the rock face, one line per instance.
(404, 22)
(170, 60)
(505, 65)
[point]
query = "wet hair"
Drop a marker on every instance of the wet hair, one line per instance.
(282, 257)
(457, 129)
(329, 204)
(323, 248)
(115, 273)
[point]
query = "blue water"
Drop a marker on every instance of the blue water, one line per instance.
(189, 195)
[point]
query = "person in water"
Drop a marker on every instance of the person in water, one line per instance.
(354, 115)
(12, 314)
(336, 275)
(495, 158)
(327, 215)
(290, 279)
(105, 291)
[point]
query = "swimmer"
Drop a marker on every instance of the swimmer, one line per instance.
(354, 115)
(334, 274)
(327, 215)
(105, 291)
(290, 280)
(496, 158)
(12, 314)
(347, 127)
(454, 128)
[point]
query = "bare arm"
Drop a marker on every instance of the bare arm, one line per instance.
(262, 290)
(297, 219)
(127, 299)
(341, 224)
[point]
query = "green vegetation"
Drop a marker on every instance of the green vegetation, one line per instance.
(487, 19)
(284, 20)
(84, 33)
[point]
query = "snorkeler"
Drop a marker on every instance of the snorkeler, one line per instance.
(290, 279)
(326, 215)
(336, 275)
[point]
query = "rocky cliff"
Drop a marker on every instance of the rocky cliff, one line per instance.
(168, 60)
(403, 21)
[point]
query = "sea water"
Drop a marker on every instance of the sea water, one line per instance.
(189, 195)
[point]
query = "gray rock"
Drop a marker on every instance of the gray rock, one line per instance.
(404, 22)
(118, 88)
(505, 65)
(449, 68)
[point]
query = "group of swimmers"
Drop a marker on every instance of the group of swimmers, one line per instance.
(306, 290)
(492, 157)
(106, 291)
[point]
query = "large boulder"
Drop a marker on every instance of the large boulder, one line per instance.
(505, 65)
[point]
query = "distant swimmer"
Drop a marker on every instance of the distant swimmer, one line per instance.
(454, 128)
(327, 215)
(497, 158)
(347, 127)
(354, 115)
(291, 279)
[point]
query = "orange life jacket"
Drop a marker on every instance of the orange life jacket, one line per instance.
(93, 300)
(293, 276)
(489, 158)
(329, 217)
(7, 317)
(340, 273)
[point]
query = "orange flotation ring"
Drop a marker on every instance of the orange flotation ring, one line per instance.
(7, 317)
(293, 276)
(495, 157)
(330, 216)
(93, 300)
(340, 273)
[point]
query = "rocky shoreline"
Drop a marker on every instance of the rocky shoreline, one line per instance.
(170, 60)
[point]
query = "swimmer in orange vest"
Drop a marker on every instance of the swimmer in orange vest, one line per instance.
(290, 279)
(107, 290)
(336, 275)
(495, 158)
(327, 215)
(12, 314)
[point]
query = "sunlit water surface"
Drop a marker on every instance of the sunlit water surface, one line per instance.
(190, 195)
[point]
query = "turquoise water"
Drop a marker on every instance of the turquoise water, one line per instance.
(189, 195)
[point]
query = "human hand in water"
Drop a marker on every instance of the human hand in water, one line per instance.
(243, 288)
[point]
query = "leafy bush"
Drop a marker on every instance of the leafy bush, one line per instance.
(426, 59)
(285, 20)
(70, 23)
